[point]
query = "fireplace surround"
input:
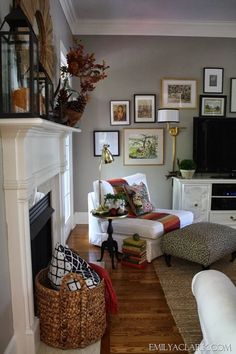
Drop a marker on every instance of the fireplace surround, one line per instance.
(33, 153)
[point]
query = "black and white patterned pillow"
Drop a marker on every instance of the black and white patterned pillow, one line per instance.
(64, 261)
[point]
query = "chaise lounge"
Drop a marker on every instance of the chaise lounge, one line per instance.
(150, 230)
(215, 295)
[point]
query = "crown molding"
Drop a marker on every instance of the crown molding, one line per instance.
(69, 11)
(146, 27)
(154, 28)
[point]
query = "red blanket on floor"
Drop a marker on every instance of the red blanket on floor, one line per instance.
(110, 294)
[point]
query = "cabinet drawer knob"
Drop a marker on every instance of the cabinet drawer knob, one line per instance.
(196, 204)
(233, 218)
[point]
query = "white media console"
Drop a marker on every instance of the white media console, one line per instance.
(210, 199)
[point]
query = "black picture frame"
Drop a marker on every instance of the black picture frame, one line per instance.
(110, 137)
(144, 108)
(213, 80)
(212, 105)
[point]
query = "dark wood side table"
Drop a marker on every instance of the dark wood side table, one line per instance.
(110, 244)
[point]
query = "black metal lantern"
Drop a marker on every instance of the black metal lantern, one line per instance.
(46, 93)
(19, 64)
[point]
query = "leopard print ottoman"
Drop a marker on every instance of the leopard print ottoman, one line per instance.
(202, 242)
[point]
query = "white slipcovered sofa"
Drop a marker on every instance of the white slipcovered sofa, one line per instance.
(151, 230)
(216, 302)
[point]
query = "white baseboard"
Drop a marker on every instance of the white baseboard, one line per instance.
(81, 218)
(11, 348)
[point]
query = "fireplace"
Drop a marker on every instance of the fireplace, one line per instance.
(33, 154)
(40, 234)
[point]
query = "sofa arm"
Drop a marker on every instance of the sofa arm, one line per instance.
(216, 302)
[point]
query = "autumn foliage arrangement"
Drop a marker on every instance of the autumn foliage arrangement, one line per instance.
(70, 104)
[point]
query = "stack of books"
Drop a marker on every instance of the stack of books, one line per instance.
(134, 253)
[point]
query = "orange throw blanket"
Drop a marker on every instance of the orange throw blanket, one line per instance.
(110, 294)
(170, 222)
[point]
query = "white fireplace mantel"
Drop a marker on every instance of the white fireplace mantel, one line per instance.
(33, 153)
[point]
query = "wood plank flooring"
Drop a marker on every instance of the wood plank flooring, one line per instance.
(144, 323)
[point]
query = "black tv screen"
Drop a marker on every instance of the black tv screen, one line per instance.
(214, 144)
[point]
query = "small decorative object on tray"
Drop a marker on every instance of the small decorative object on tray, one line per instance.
(109, 212)
(134, 252)
(102, 209)
(114, 205)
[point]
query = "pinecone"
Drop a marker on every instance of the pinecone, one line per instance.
(63, 96)
(77, 105)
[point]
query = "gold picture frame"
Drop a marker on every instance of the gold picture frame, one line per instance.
(144, 146)
(179, 93)
(120, 112)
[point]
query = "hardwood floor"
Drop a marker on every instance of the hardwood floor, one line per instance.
(144, 323)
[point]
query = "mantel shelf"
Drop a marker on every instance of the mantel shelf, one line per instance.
(42, 124)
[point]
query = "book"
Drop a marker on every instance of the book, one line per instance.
(135, 249)
(134, 260)
(134, 243)
(133, 252)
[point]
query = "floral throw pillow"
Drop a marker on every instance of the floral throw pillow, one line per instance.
(138, 198)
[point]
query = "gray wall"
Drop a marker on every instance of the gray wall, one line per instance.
(136, 66)
(61, 34)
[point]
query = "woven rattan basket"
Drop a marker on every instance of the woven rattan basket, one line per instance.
(70, 319)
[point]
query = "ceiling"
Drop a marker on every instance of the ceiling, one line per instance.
(211, 18)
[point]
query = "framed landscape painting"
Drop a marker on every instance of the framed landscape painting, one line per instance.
(212, 106)
(178, 93)
(143, 146)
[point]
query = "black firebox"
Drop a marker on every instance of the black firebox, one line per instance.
(41, 234)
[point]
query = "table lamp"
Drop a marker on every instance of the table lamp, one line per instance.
(170, 115)
(106, 157)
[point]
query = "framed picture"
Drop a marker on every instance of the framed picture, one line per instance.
(143, 146)
(212, 106)
(178, 93)
(120, 112)
(232, 95)
(144, 108)
(110, 137)
(213, 80)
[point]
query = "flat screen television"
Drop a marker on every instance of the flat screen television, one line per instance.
(214, 145)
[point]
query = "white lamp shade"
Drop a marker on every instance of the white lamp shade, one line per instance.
(168, 115)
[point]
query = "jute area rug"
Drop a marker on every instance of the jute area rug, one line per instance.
(176, 284)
